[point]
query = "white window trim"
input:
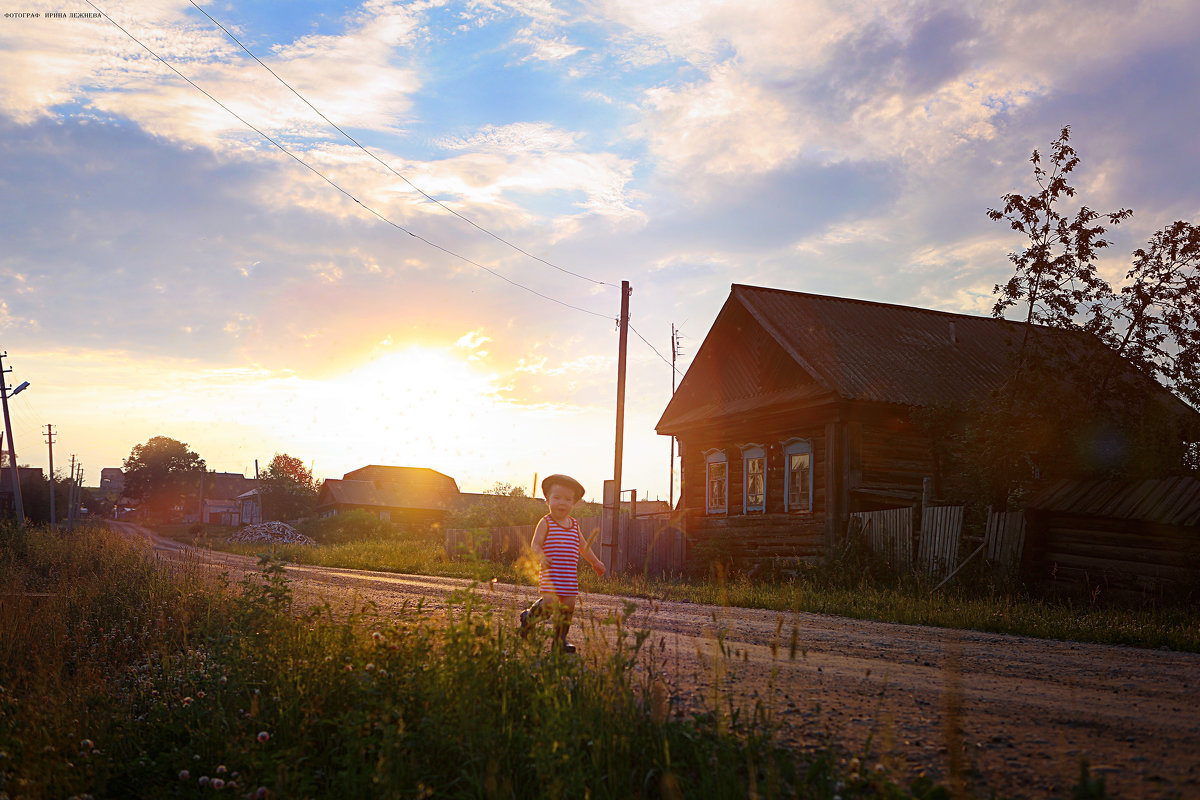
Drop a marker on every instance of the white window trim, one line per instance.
(749, 452)
(796, 446)
(715, 456)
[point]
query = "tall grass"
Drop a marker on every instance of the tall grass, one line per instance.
(123, 678)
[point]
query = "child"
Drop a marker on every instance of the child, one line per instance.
(557, 545)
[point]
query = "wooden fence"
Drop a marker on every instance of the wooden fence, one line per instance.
(890, 534)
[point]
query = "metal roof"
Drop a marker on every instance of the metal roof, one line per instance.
(885, 353)
(1168, 501)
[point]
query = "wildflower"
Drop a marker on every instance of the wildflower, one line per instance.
(187, 701)
(263, 736)
(223, 680)
(261, 794)
(221, 770)
(87, 744)
(200, 695)
(218, 784)
(879, 768)
(369, 667)
(184, 774)
(377, 636)
(203, 781)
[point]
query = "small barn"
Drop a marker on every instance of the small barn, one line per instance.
(798, 410)
(1116, 536)
(413, 495)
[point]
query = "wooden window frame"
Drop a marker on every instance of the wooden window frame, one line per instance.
(753, 452)
(791, 447)
(713, 457)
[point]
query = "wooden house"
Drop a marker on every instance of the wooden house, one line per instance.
(414, 495)
(798, 408)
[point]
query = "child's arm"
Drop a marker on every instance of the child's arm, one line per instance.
(590, 557)
(539, 539)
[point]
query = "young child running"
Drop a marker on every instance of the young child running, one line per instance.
(557, 546)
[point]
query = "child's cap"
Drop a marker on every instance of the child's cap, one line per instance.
(562, 480)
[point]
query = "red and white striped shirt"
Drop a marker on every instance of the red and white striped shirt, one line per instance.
(561, 547)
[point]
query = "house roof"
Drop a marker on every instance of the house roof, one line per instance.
(390, 487)
(814, 347)
(1167, 501)
(225, 485)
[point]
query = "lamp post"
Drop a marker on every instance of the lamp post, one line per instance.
(12, 448)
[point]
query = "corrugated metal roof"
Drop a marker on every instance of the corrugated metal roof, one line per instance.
(886, 353)
(1167, 501)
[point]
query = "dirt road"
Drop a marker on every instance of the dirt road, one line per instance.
(1016, 714)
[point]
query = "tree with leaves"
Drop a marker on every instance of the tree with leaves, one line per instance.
(288, 488)
(1068, 405)
(162, 473)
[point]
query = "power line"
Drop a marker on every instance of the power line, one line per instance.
(332, 183)
(387, 166)
(655, 349)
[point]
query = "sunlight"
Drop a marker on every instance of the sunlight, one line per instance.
(420, 394)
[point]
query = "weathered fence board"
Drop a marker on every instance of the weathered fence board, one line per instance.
(941, 529)
(889, 534)
(1005, 538)
(502, 545)
(654, 547)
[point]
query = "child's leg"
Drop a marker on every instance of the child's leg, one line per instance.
(539, 610)
(565, 610)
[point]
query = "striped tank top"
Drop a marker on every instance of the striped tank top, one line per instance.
(561, 547)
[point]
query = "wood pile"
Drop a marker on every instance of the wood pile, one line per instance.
(272, 533)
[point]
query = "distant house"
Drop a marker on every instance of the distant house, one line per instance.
(28, 476)
(220, 504)
(415, 495)
(112, 480)
(797, 410)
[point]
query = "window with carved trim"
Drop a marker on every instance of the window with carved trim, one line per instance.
(754, 478)
(716, 497)
(797, 456)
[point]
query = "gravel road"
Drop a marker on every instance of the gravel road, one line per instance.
(1015, 714)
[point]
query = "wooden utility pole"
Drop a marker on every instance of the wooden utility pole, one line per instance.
(12, 450)
(50, 442)
(674, 353)
(623, 324)
(71, 496)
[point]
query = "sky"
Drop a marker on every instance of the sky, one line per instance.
(395, 232)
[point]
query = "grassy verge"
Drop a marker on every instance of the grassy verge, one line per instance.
(858, 589)
(122, 679)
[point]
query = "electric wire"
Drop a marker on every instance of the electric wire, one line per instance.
(388, 167)
(365, 207)
(332, 183)
(655, 349)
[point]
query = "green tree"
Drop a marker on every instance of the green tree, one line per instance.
(288, 488)
(162, 473)
(1068, 405)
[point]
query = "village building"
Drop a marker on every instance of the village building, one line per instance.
(413, 495)
(798, 410)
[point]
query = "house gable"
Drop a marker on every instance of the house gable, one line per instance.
(739, 368)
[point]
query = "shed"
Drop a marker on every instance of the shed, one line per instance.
(1141, 536)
